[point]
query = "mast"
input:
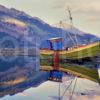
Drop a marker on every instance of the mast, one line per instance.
(70, 17)
(71, 23)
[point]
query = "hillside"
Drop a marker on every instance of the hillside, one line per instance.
(19, 24)
(20, 30)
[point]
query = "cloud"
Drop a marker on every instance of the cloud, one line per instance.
(91, 8)
(93, 19)
(79, 6)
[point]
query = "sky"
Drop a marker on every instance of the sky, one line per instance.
(85, 13)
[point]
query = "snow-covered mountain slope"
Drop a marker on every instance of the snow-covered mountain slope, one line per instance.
(20, 25)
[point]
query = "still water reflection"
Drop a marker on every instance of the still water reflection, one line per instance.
(25, 84)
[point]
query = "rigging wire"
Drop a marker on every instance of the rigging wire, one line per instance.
(71, 22)
(74, 78)
(61, 61)
(69, 35)
(73, 90)
(67, 88)
(75, 43)
(59, 92)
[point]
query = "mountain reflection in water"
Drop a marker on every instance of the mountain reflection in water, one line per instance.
(22, 82)
(49, 91)
(18, 79)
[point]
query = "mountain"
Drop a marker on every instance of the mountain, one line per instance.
(19, 24)
(73, 29)
(18, 29)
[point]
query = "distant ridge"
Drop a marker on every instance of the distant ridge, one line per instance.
(36, 28)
